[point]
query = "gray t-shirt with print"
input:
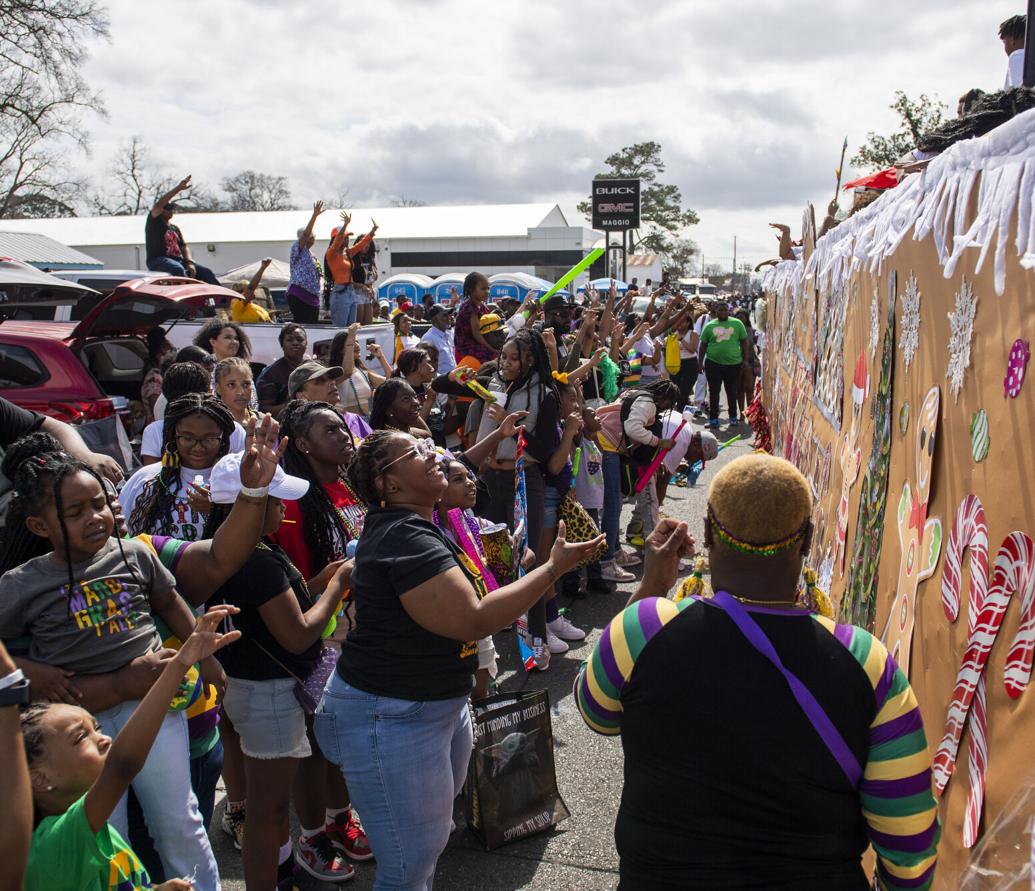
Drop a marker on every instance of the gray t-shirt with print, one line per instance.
(103, 624)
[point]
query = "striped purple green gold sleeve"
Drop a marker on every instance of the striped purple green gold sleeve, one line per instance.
(599, 684)
(897, 802)
(169, 550)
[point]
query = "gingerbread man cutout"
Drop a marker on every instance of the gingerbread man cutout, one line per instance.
(920, 537)
(850, 458)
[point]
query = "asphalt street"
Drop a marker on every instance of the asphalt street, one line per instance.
(579, 853)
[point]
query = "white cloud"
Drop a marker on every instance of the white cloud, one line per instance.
(457, 101)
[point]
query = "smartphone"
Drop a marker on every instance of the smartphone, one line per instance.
(370, 340)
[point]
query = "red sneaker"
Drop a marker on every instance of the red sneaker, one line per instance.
(346, 832)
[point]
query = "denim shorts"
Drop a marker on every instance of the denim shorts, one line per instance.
(551, 502)
(267, 717)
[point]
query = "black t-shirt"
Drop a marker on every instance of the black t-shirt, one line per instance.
(162, 239)
(257, 656)
(272, 385)
(727, 784)
(387, 653)
(15, 422)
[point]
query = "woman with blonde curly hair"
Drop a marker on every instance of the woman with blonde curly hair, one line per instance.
(765, 745)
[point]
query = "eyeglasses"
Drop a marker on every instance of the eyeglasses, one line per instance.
(188, 442)
(422, 448)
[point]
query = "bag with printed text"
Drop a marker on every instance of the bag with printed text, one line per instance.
(511, 791)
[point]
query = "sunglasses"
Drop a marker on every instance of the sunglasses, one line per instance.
(422, 448)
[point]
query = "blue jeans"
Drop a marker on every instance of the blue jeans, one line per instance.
(343, 305)
(164, 791)
(404, 762)
(612, 501)
(175, 267)
(204, 774)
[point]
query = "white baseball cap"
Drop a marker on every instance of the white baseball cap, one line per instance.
(225, 482)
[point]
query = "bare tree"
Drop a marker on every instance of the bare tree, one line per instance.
(42, 100)
(403, 201)
(135, 180)
(250, 190)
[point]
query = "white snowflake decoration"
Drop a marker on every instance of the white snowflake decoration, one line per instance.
(961, 324)
(874, 323)
(826, 571)
(909, 326)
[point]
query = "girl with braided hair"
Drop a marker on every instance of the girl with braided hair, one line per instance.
(90, 606)
(397, 407)
(314, 534)
(524, 381)
(165, 498)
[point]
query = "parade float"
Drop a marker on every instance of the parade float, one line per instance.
(897, 352)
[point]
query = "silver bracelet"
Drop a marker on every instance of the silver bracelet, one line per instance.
(261, 492)
(11, 679)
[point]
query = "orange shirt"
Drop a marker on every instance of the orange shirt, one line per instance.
(339, 261)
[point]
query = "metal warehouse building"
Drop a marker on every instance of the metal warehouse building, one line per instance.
(533, 238)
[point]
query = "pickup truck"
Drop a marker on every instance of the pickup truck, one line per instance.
(265, 346)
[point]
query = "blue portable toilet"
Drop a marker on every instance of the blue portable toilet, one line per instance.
(440, 286)
(412, 285)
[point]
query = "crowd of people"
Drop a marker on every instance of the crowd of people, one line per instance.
(361, 534)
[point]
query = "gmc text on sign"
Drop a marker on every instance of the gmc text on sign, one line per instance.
(616, 204)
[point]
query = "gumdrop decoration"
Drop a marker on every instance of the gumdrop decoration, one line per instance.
(909, 335)
(903, 419)
(1016, 368)
(979, 437)
(961, 324)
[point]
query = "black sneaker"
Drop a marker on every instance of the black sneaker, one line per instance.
(600, 586)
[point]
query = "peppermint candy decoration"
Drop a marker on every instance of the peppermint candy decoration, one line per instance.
(1016, 368)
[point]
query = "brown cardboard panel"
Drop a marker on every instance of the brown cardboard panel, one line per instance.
(1004, 481)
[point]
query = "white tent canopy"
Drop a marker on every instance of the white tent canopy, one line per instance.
(277, 274)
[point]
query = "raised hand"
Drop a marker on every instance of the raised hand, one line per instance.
(206, 640)
(317, 209)
(566, 556)
(262, 452)
(663, 549)
(345, 218)
(512, 423)
(183, 184)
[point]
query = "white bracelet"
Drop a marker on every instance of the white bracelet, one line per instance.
(261, 492)
(11, 679)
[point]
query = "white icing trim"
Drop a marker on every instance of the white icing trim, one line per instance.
(935, 202)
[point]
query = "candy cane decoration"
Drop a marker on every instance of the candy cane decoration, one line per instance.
(1013, 571)
(1018, 575)
(969, 530)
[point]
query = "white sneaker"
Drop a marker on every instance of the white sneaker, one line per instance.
(612, 573)
(626, 558)
(554, 644)
(562, 628)
(540, 654)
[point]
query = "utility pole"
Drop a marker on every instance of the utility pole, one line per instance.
(734, 262)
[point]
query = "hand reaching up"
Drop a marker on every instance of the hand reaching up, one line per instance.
(566, 556)
(262, 452)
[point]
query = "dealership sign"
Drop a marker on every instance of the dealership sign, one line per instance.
(616, 204)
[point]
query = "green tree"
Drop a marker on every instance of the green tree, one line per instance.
(679, 261)
(661, 204)
(43, 99)
(916, 118)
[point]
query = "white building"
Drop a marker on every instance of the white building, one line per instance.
(533, 238)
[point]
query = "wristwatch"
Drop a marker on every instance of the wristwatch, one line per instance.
(18, 693)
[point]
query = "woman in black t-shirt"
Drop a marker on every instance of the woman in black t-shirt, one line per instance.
(397, 703)
(281, 619)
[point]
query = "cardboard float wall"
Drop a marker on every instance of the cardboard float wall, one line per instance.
(1004, 481)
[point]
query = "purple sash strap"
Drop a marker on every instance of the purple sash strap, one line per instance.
(813, 710)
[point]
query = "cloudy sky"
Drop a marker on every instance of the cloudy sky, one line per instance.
(460, 101)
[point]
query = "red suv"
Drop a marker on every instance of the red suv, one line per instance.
(88, 370)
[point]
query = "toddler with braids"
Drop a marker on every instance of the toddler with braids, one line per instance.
(89, 605)
(163, 499)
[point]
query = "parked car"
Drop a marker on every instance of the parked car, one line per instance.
(92, 369)
(27, 293)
